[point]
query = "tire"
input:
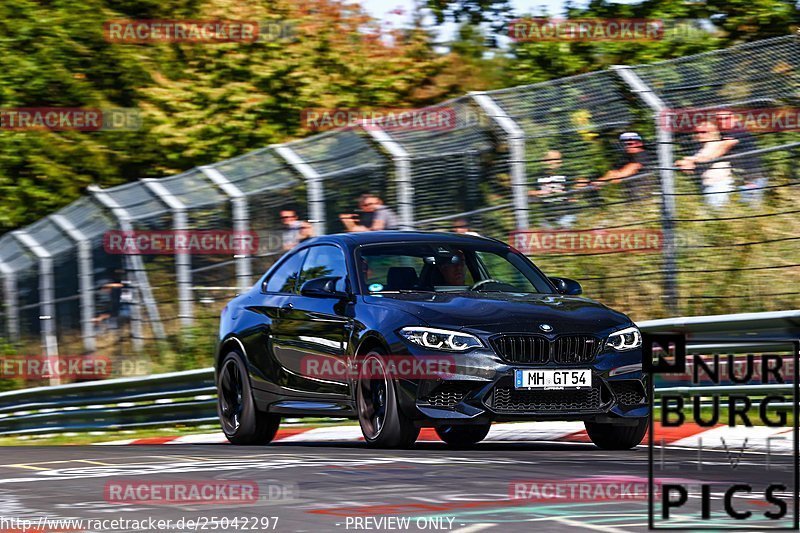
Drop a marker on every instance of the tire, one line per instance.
(239, 417)
(463, 436)
(616, 436)
(382, 422)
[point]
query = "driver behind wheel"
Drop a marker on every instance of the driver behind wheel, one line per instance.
(452, 270)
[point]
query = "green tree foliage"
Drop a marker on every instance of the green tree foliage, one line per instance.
(474, 12)
(690, 27)
(199, 102)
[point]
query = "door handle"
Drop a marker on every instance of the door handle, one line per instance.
(285, 308)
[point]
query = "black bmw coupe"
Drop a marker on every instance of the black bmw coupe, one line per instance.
(403, 330)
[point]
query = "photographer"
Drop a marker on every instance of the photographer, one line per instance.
(374, 216)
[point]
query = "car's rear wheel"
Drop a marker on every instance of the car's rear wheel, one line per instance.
(617, 436)
(463, 436)
(241, 421)
(382, 422)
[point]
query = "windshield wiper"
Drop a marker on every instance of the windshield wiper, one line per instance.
(403, 291)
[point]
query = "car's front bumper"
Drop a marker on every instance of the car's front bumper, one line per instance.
(481, 390)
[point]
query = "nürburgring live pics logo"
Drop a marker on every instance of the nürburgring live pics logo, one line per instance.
(743, 397)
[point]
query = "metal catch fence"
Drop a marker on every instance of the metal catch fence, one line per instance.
(529, 165)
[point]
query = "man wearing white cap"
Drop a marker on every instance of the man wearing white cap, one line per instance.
(633, 161)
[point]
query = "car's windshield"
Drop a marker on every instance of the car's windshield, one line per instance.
(446, 267)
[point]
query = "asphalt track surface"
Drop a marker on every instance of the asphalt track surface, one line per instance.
(329, 486)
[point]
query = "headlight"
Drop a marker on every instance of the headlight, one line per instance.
(440, 339)
(625, 339)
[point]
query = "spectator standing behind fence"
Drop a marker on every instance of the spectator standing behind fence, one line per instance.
(374, 216)
(749, 167)
(635, 159)
(461, 226)
(292, 227)
(119, 300)
(716, 176)
(552, 192)
(306, 231)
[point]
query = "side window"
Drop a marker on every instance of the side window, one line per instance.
(285, 278)
(325, 261)
(507, 270)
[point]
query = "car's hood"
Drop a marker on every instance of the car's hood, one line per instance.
(504, 312)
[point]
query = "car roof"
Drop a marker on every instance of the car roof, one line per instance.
(395, 236)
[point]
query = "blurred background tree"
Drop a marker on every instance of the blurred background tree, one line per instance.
(201, 103)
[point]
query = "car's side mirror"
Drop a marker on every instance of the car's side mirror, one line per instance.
(324, 287)
(567, 286)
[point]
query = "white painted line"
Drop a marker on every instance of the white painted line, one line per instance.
(339, 433)
(780, 439)
(527, 431)
(200, 438)
(583, 525)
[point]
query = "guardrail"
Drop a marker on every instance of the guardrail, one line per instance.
(189, 398)
(163, 399)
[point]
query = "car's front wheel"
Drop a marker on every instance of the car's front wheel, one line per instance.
(609, 436)
(463, 436)
(382, 422)
(241, 421)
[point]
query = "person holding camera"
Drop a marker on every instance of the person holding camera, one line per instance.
(374, 216)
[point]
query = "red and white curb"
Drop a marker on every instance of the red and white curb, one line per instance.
(734, 439)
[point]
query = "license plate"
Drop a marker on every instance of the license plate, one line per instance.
(553, 379)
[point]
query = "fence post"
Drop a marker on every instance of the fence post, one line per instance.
(10, 301)
(183, 260)
(516, 148)
(86, 279)
(402, 165)
(314, 187)
(241, 221)
(665, 164)
(47, 306)
(133, 263)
